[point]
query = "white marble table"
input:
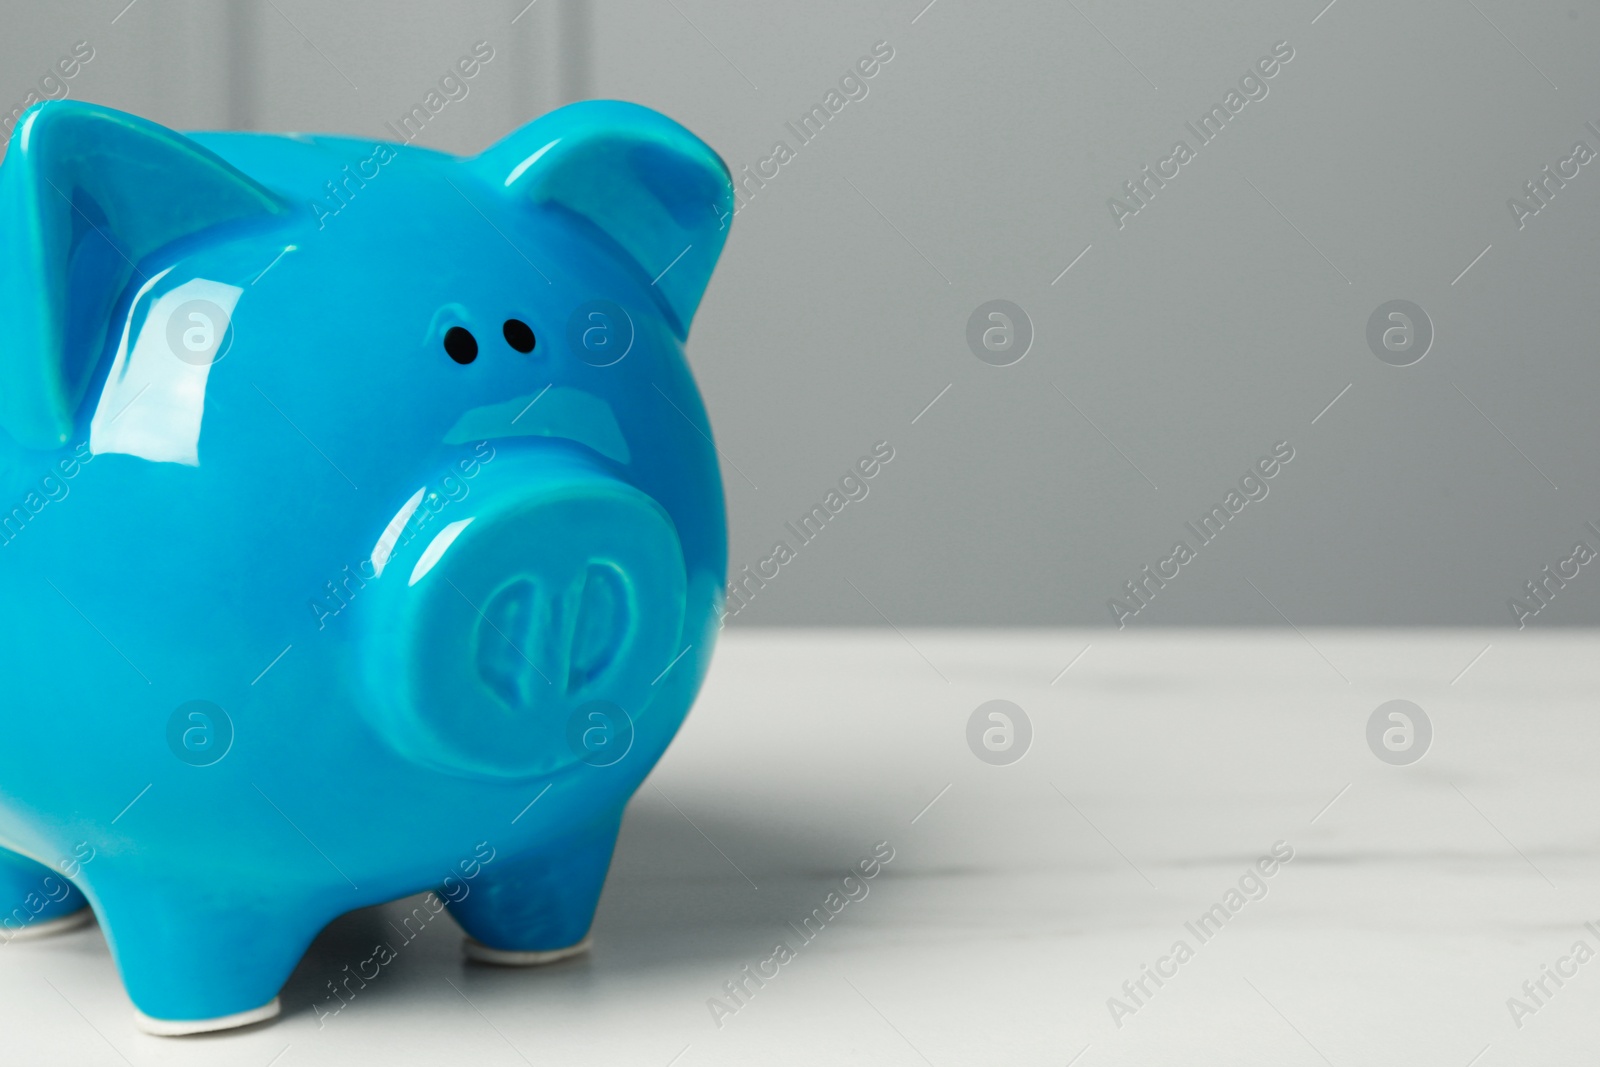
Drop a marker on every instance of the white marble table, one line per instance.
(1021, 898)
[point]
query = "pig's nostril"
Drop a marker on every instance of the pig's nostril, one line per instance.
(601, 626)
(507, 644)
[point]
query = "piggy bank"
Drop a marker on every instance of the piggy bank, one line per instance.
(362, 531)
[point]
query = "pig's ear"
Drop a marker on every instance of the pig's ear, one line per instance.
(86, 193)
(647, 183)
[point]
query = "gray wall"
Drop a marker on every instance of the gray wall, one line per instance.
(1219, 320)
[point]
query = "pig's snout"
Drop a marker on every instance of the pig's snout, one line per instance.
(550, 590)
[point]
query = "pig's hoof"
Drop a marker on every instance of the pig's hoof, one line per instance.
(180, 1027)
(59, 925)
(478, 952)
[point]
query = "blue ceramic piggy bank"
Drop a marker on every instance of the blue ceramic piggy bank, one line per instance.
(361, 530)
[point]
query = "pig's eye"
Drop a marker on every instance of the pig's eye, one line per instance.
(519, 335)
(460, 344)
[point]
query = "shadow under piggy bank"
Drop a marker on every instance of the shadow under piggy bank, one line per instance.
(676, 911)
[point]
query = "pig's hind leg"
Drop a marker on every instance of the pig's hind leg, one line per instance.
(536, 907)
(36, 901)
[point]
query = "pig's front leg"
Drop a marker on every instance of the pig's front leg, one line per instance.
(537, 907)
(36, 901)
(197, 956)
